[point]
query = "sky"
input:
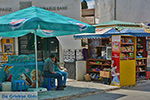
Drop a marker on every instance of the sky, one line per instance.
(91, 3)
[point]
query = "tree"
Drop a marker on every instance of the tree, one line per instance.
(84, 4)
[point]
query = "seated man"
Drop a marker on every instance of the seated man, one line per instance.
(49, 65)
(63, 72)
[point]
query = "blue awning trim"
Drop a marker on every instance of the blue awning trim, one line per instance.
(88, 36)
(132, 32)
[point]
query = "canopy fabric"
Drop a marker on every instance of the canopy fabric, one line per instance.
(118, 24)
(98, 34)
(133, 32)
(33, 18)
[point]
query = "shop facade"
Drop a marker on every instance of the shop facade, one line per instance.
(117, 59)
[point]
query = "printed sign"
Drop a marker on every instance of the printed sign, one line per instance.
(115, 59)
(18, 96)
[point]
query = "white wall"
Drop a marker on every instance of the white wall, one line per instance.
(104, 10)
(68, 42)
(126, 10)
(73, 6)
(133, 10)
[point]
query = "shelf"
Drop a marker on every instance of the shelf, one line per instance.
(140, 58)
(140, 47)
(140, 71)
(106, 65)
(140, 52)
(100, 64)
(140, 43)
(93, 71)
(102, 46)
(98, 60)
(127, 43)
(95, 64)
(126, 58)
(141, 65)
(127, 51)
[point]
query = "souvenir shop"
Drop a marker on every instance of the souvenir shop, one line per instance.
(117, 58)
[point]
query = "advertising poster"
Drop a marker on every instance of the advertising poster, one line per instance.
(115, 59)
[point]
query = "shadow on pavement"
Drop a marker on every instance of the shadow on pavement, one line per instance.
(104, 96)
(141, 86)
(67, 92)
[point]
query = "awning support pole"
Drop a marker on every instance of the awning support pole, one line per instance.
(36, 63)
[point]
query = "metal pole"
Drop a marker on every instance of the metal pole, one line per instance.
(115, 10)
(36, 64)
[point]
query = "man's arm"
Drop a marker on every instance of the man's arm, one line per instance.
(51, 67)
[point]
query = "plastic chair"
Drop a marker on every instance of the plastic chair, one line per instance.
(19, 85)
(49, 83)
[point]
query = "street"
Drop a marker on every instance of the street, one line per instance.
(141, 92)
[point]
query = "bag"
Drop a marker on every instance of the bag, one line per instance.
(87, 77)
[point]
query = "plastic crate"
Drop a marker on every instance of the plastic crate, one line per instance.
(19, 85)
(49, 83)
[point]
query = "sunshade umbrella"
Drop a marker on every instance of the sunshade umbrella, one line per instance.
(42, 23)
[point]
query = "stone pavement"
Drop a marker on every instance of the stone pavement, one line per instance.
(76, 89)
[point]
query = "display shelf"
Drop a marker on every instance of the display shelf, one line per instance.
(141, 71)
(126, 58)
(141, 65)
(127, 48)
(141, 57)
(101, 46)
(93, 71)
(127, 43)
(127, 51)
(140, 43)
(106, 65)
(95, 64)
(98, 59)
(97, 56)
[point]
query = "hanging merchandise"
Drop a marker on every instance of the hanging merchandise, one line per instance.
(7, 48)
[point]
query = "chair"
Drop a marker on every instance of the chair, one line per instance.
(19, 85)
(49, 83)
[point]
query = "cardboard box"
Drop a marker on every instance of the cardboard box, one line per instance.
(105, 74)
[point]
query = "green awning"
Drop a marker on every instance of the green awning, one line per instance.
(118, 24)
(46, 24)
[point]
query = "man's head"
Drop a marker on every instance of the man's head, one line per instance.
(53, 57)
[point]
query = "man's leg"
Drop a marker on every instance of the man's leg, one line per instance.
(65, 76)
(58, 76)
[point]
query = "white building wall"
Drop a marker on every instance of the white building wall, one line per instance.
(104, 10)
(126, 10)
(133, 10)
(72, 6)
